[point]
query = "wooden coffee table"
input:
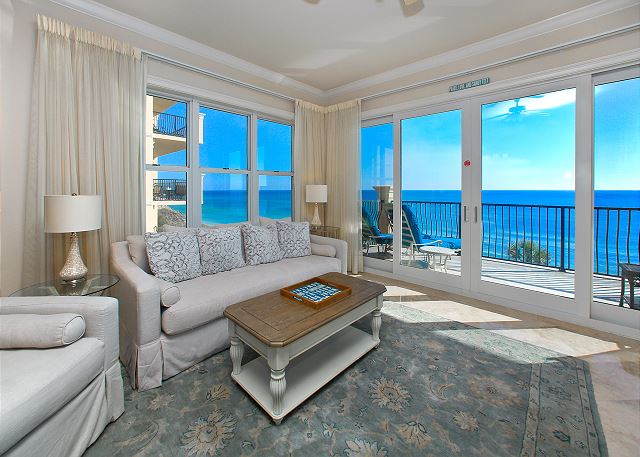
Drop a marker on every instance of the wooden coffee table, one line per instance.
(313, 346)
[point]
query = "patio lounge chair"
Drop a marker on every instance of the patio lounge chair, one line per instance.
(412, 237)
(371, 235)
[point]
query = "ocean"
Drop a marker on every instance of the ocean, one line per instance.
(222, 207)
(508, 217)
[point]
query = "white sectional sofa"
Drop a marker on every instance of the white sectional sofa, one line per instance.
(57, 401)
(157, 343)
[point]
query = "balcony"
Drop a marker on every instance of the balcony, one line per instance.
(531, 245)
(169, 124)
(170, 190)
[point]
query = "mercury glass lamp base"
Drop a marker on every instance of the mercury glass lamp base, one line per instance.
(74, 270)
(316, 217)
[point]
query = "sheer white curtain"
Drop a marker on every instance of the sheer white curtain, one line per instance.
(327, 151)
(86, 137)
(343, 124)
(310, 155)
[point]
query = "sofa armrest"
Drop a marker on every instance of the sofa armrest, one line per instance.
(100, 315)
(339, 245)
(138, 294)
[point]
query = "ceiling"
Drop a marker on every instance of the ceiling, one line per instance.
(329, 43)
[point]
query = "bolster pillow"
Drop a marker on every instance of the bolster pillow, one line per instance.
(169, 292)
(40, 331)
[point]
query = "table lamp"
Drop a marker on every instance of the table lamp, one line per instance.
(316, 193)
(72, 214)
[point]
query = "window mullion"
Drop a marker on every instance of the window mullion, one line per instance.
(194, 198)
(254, 180)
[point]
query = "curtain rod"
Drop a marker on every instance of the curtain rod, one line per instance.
(200, 70)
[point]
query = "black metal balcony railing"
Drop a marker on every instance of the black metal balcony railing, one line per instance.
(169, 190)
(531, 234)
(170, 124)
(536, 234)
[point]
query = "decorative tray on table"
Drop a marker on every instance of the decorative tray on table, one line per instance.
(316, 292)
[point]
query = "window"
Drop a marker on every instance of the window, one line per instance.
(166, 160)
(223, 156)
(274, 169)
(205, 168)
(377, 191)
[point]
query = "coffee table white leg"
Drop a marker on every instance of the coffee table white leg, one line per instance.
(278, 359)
(278, 386)
(376, 320)
(236, 350)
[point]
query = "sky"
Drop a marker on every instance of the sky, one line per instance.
(530, 149)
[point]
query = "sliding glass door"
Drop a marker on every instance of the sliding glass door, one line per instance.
(429, 215)
(527, 208)
(616, 197)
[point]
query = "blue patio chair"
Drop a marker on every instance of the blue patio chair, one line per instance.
(412, 236)
(371, 234)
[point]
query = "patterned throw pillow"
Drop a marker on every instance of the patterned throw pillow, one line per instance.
(294, 238)
(173, 256)
(220, 249)
(261, 244)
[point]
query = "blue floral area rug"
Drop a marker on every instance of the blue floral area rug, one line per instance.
(433, 387)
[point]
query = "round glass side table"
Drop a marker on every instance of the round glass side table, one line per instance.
(93, 285)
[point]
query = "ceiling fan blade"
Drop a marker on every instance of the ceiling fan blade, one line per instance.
(499, 116)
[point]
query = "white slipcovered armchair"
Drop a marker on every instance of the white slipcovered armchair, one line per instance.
(57, 401)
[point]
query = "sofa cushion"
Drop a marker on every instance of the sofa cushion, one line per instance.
(261, 244)
(220, 249)
(269, 221)
(40, 331)
(325, 250)
(294, 238)
(174, 256)
(138, 251)
(204, 299)
(167, 228)
(36, 383)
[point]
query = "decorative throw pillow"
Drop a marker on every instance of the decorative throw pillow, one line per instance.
(261, 244)
(174, 256)
(294, 238)
(220, 249)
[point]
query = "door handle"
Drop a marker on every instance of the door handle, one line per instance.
(465, 213)
(475, 212)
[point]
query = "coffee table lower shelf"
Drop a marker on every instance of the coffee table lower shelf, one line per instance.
(307, 373)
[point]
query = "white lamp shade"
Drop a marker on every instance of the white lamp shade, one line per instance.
(72, 213)
(316, 193)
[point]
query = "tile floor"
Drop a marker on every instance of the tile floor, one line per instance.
(614, 360)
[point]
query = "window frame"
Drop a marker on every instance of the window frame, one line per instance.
(192, 168)
(258, 173)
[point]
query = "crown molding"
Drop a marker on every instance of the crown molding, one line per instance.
(141, 27)
(169, 38)
(549, 25)
(599, 64)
